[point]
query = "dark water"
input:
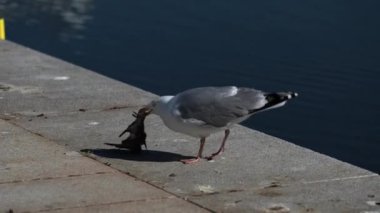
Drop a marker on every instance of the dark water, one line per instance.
(326, 50)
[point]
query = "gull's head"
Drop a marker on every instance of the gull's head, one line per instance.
(158, 106)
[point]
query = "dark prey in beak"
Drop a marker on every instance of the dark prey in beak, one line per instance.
(137, 135)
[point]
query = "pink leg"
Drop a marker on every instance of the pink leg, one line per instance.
(221, 149)
(194, 160)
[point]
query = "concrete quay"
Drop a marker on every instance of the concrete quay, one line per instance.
(55, 118)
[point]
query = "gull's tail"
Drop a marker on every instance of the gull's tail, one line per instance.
(276, 99)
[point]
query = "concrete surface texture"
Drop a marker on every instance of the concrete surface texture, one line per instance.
(56, 117)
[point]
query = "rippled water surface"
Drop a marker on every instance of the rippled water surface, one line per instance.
(326, 50)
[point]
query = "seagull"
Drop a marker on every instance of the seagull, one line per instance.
(200, 112)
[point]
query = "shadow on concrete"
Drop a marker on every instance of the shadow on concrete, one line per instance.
(145, 155)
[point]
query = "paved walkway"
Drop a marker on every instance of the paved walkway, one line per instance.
(55, 118)
(37, 175)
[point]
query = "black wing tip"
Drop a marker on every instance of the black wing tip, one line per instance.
(292, 95)
(274, 99)
(280, 96)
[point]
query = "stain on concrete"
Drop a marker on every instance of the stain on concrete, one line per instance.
(270, 190)
(21, 89)
(53, 77)
(276, 208)
(4, 87)
(232, 204)
(269, 193)
(61, 78)
(93, 123)
(273, 184)
(373, 203)
(73, 154)
(207, 189)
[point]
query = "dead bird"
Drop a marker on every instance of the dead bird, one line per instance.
(137, 135)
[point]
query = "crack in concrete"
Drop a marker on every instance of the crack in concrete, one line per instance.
(53, 178)
(28, 130)
(35, 114)
(107, 204)
(341, 179)
(118, 107)
(227, 191)
(270, 190)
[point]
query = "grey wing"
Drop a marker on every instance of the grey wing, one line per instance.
(218, 106)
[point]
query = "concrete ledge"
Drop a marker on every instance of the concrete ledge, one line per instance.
(81, 110)
(39, 175)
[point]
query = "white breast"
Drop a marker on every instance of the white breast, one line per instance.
(189, 127)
